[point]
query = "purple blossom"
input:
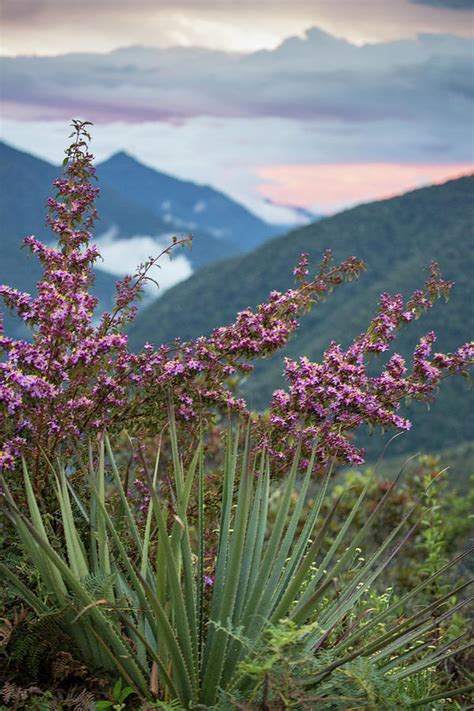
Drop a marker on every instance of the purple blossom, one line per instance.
(76, 378)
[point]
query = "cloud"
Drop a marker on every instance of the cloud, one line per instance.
(217, 118)
(61, 26)
(230, 153)
(45, 27)
(464, 5)
(318, 77)
(122, 256)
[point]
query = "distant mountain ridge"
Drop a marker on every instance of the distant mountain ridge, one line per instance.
(134, 200)
(185, 205)
(129, 205)
(26, 184)
(397, 238)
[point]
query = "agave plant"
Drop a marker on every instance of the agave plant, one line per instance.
(133, 599)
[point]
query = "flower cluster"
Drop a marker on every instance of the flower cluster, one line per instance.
(139, 494)
(328, 401)
(198, 372)
(74, 378)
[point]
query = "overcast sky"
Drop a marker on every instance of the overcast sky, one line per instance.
(59, 26)
(246, 96)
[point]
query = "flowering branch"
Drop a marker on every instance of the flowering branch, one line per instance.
(75, 379)
(330, 400)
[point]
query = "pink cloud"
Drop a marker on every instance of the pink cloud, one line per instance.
(330, 187)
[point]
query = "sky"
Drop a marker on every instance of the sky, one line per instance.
(320, 104)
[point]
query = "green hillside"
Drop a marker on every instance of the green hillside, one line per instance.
(459, 460)
(397, 238)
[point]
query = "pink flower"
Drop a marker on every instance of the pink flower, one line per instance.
(75, 377)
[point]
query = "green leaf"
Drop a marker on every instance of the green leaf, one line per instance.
(128, 691)
(117, 689)
(216, 644)
(447, 694)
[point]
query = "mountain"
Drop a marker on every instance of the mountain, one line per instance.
(397, 238)
(184, 205)
(27, 183)
(135, 222)
(302, 215)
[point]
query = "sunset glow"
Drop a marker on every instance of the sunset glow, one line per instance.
(327, 188)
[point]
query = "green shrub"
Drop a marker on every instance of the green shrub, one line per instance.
(291, 618)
